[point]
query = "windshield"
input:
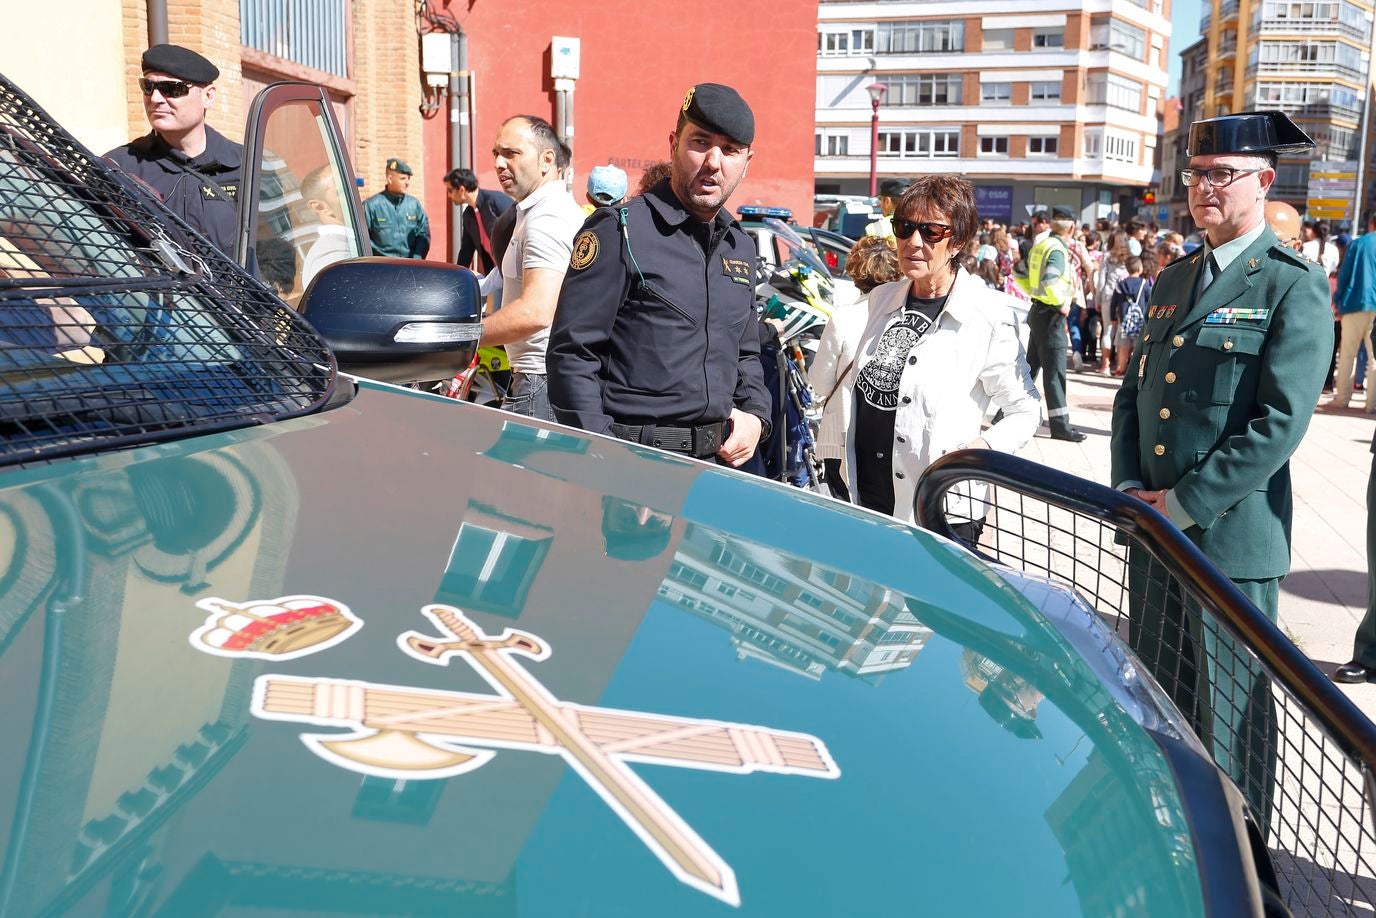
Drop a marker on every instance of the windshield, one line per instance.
(792, 246)
(116, 327)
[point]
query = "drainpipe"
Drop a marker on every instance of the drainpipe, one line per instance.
(157, 22)
(458, 121)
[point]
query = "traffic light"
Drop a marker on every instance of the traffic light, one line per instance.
(1149, 197)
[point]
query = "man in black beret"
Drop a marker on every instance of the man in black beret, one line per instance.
(655, 338)
(192, 166)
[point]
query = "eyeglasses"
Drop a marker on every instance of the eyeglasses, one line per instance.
(932, 233)
(170, 89)
(1218, 176)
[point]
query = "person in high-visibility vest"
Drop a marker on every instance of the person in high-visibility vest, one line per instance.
(889, 193)
(1050, 282)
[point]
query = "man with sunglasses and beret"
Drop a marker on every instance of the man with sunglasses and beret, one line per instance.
(655, 339)
(1218, 394)
(194, 167)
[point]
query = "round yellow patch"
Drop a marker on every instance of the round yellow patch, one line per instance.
(584, 250)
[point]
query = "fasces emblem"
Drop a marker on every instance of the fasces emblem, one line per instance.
(584, 250)
(409, 734)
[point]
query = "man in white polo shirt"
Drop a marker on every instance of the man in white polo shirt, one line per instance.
(547, 219)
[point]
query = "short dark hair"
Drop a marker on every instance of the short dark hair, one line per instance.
(562, 156)
(461, 178)
(543, 132)
(950, 194)
(1041, 216)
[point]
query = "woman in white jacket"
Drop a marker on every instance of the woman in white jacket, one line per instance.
(872, 261)
(937, 348)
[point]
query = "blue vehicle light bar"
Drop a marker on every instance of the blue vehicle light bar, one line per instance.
(755, 210)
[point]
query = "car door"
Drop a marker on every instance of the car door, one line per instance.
(299, 208)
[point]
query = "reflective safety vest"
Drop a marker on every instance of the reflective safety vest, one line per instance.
(883, 228)
(1056, 292)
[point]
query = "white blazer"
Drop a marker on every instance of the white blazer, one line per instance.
(971, 358)
(835, 355)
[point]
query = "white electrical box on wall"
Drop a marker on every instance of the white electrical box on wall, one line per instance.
(563, 58)
(435, 57)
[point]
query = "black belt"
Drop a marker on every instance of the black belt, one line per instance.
(701, 442)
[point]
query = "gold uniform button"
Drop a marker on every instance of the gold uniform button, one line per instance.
(1170, 377)
(1159, 450)
(1165, 414)
(1228, 345)
(1177, 341)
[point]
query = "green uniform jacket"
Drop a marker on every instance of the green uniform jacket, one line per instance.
(1214, 409)
(397, 226)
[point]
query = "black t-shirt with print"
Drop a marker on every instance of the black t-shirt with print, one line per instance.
(877, 400)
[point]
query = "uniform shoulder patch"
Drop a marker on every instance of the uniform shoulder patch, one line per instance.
(585, 247)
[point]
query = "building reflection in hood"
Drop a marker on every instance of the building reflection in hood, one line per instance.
(789, 611)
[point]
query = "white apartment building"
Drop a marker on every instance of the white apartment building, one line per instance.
(1049, 104)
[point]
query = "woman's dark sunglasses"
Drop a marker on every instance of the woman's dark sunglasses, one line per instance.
(170, 89)
(932, 233)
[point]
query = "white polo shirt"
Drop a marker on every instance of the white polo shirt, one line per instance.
(546, 222)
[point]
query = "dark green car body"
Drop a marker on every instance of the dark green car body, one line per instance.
(275, 641)
(140, 782)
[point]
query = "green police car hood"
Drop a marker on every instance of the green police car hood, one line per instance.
(408, 656)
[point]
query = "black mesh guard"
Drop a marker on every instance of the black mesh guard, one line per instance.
(119, 324)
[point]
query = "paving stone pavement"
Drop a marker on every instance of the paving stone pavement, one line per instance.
(1324, 597)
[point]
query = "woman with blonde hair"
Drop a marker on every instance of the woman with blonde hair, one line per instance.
(871, 262)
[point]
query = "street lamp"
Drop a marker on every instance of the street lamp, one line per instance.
(876, 91)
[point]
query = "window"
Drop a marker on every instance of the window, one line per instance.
(832, 144)
(1043, 146)
(923, 89)
(997, 39)
(305, 32)
(1116, 35)
(993, 146)
(840, 44)
(1045, 92)
(1049, 38)
(926, 35)
(1112, 89)
(920, 143)
(1093, 145)
(1334, 97)
(1120, 149)
(996, 93)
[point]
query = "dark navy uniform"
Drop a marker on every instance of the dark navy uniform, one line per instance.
(202, 190)
(656, 326)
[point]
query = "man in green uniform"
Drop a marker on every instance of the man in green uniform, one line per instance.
(889, 193)
(1218, 394)
(397, 223)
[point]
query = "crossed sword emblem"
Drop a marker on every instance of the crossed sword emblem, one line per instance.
(409, 733)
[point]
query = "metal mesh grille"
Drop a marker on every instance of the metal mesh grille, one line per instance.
(118, 323)
(1305, 786)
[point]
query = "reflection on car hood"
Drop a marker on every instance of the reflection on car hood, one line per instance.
(478, 665)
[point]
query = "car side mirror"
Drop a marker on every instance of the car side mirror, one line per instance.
(397, 320)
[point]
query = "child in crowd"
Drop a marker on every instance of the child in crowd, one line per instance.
(1129, 309)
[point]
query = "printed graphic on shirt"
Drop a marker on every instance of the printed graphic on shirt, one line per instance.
(878, 381)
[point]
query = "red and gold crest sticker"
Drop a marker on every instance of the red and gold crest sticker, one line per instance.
(273, 629)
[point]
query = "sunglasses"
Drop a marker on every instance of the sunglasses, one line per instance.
(932, 233)
(170, 89)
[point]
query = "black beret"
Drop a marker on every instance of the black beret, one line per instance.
(720, 109)
(892, 188)
(180, 62)
(1247, 132)
(1062, 213)
(398, 165)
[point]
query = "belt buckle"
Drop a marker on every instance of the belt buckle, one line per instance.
(706, 445)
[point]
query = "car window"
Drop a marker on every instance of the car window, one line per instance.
(303, 218)
(833, 254)
(117, 323)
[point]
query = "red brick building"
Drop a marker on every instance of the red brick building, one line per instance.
(638, 57)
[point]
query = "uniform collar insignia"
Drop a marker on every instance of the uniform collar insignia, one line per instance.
(1252, 263)
(409, 734)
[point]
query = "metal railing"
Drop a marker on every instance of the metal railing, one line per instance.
(1299, 750)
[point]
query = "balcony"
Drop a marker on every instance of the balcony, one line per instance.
(1283, 69)
(1311, 26)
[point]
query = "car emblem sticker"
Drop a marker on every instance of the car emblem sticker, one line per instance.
(273, 629)
(411, 734)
